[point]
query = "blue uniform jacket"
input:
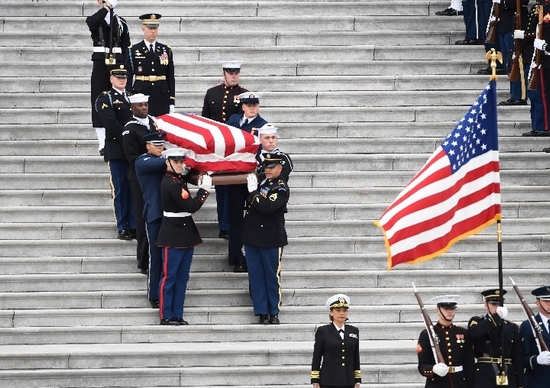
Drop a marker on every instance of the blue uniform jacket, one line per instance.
(150, 170)
(536, 375)
(235, 120)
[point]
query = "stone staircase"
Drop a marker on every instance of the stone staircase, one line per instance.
(362, 91)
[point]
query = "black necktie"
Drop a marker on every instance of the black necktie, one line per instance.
(341, 333)
(151, 48)
(245, 122)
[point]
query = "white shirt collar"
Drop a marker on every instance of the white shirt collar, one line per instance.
(147, 44)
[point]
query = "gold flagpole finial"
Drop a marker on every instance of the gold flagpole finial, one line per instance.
(493, 56)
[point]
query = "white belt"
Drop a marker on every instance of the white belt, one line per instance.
(454, 369)
(98, 49)
(171, 214)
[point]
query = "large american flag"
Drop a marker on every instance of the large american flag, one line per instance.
(454, 195)
(212, 146)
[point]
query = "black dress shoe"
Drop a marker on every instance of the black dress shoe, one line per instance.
(547, 150)
(513, 101)
(449, 12)
(274, 319)
(180, 321)
(469, 42)
(264, 319)
(154, 303)
(239, 267)
(224, 235)
(144, 271)
(536, 133)
(132, 233)
(101, 152)
(124, 235)
(169, 322)
(489, 71)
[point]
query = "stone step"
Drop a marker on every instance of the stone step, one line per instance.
(291, 84)
(281, 115)
(191, 101)
(81, 66)
(166, 377)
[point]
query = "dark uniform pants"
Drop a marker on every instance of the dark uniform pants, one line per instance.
(264, 267)
(222, 207)
(141, 236)
(176, 264)
(236, 198)
(122, 195)
(538, 121)
(155, 259)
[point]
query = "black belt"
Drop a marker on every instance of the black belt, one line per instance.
(494, 360)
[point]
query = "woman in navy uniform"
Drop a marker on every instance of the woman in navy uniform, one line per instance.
(455, 345)
(336, 360)
(178, 234)
(489, 333)
(152, 66)
(536, 362)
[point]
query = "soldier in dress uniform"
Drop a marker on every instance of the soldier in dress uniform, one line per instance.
(248, 121)
(493, 338)
(152, 68)
(178, 233)
(113, 108)
(455, 345)
(134, 146)
(150, 169)
(99, 25)
(220, 103)
(268, 145)
(264, 236)
(336, 349)
(535, 361)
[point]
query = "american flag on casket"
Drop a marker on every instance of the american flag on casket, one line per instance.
(212, 146)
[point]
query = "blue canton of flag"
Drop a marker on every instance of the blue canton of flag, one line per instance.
(476, 133)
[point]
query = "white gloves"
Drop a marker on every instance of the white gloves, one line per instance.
(251, 182)
(496, 1)
(502, 311)
(185, 170)
(206, 182)
(440, 369)
(544, 358)
(172, 109)
(539, 44)
(519, 34)
(113, 3)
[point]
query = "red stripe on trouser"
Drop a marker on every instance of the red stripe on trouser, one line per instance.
(163, 279)
(544, 100)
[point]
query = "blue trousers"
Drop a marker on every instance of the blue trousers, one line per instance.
(222, 208)
(537, 109)
(122, 195)
(176, 264)
(476, 17)
(264, 268)
(506, 44)
(155, 259)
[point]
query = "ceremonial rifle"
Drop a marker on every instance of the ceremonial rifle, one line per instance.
(531, 318)
(109, 57)
(434, 339)
(533, 78)
(514, 71)
(491, 33)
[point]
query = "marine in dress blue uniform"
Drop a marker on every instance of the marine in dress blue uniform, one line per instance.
(134, 146)
(336, 361)
(150, 169)
(99, 25)
(152, 68)
(220, 103)
(113, 108)
(264, 236)
(249, 121)
(455, 345)
(487, 333)
(178, 235)
(535, 361)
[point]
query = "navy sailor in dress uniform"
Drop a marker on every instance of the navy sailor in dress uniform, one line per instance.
(152, 68)
(455, 345)
(535, 361)
(336, 361)
(264, 236)
(99, 25)
(178, 234)
(150, 169)
(268, 145)
(220, 103)
(487, 333)
(113, 108)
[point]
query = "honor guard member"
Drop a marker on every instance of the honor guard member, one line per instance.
(455, 345)
(150, 169)
(220, 103)
(535, 361)
(152, 68)
(134, 146)
(248, 121)
(268, 145)
(178, 234)
(113, 108)
(496, 342)
(336, 349)
(100, 24)
(264, 236)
